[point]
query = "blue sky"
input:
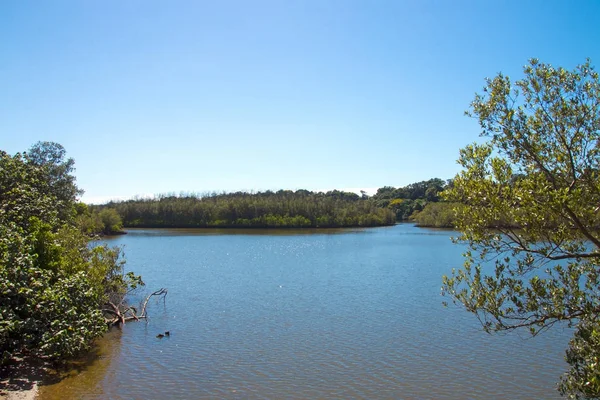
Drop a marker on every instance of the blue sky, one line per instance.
(153, 97)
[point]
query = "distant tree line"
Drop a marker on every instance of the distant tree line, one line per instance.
(420, 202)
(281, 209)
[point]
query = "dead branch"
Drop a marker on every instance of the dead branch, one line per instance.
(122, 313)
(160, 292)
(114, 310)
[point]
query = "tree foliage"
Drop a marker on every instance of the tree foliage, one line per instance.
(411, 199)
(280, 209)
(93, 221)
(50, 157)
(531, 196)
(437, 215)
(52, 282)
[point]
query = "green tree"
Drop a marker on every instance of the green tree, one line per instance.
(50, 157)
(88, 221)
(531, 196)
(438, 215)
(409, 200)
(53, 284)
(23, 192)
(111, 221)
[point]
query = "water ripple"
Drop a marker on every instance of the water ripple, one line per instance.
(309, 316)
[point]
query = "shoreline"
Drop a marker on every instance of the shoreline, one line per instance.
(29, 393)
(21, 381)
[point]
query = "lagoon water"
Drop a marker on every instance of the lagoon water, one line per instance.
(339, 314)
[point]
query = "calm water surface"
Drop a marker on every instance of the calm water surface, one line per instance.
(307, 315)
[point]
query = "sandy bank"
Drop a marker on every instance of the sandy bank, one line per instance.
(20, 380)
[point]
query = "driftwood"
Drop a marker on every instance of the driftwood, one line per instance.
(119, 314)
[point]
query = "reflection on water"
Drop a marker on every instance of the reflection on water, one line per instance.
(284, 315)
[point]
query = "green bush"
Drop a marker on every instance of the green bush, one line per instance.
(52, 283)
(438, 215)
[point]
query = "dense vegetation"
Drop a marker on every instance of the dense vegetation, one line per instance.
(420, 202)
(529, 213)
(280, 209)
(437, 215)
(53, 283)
(94, 221)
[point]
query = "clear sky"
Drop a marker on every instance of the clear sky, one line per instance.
(152, 97)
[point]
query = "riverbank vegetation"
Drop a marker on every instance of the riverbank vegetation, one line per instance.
(437, 215)
(406, 201)
(93, 221)
(420, 202)
(281, 209)
(54, 283)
